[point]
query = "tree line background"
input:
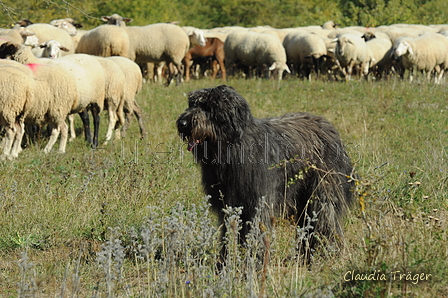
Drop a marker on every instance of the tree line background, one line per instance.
(216, 13)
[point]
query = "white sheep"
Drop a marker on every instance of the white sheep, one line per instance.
(155, 43)
(16, 95)
(55, 92)
(105, 41)
(16, 35)
(329, 25)
(196, 36)
(380, 50)
(31, 41)
(50, 49)
(67, 24)
(115, 81)
(78, 37)
(306, 51)
(89, 83)
(133, 86)
(46, 32)
(255, 49)
(116, 20)
(123, 82)
(428, 52)
(350, 51)
(395, 32)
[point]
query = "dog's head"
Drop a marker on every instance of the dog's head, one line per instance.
(214, 114)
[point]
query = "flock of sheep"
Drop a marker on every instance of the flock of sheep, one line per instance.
(40, 91)
(88, 68)
(339, 52)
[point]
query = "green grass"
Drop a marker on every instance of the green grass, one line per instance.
(59, 208)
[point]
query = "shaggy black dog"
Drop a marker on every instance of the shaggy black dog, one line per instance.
(295, 162)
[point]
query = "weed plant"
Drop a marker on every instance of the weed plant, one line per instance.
(130, 219)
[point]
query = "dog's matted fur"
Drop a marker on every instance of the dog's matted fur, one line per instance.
(296, 162)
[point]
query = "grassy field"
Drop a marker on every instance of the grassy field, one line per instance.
(130, 220)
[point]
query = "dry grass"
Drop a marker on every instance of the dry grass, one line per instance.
(128, 219)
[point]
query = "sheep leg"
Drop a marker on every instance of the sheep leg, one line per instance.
(86, 124)
(9, 139)
(96, 124)
(64, 135)
(112, 123)
(316, 65)
(173, 71)
(158, 71)
(438, 74)
(215, 69)
(178, 72)
(121, 120)
(439, 79)
(365, 70)
(16, 146)
(139, 115)
(187, 63)
(71, 123)
(53, 137)
(349, 70)
(124, 128)
(411, 74)
(223, 70)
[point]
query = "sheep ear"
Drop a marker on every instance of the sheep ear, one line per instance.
(408, 45)
(105, 18)
(334, 40)
(349, 41)
(127, 20)
(42, 45)
(273, 66)
(63, 49)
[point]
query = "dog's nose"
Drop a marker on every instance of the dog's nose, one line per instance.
(182, 123)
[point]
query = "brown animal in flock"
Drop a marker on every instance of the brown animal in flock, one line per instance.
(214, 49)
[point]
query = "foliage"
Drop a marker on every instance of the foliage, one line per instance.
(371, 13)
(216, 13)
